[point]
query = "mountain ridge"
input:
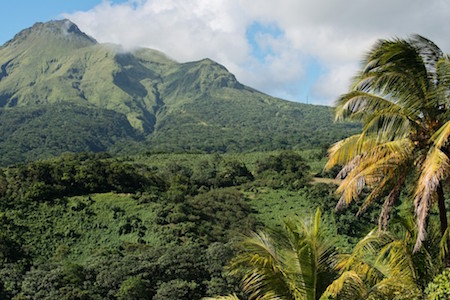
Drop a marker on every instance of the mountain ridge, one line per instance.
(170, 106)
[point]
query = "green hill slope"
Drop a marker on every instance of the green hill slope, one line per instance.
(140, 96)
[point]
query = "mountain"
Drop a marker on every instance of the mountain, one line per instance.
(60, 90)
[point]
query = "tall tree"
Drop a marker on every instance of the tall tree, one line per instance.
(401, 96)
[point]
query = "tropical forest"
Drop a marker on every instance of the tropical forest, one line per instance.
(129, 175)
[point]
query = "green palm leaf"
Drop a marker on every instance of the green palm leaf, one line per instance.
(293, 263)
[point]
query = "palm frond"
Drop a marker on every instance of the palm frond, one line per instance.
(389, 202)
(293, 263)
(429, 52)
(356, 104)
(443, 79)
(397, 254)
(375, 169)
(444, 243)
(349, 285)
(399, 70)
(388, 126)
(343, 152)
(435, 167)
(440, 137)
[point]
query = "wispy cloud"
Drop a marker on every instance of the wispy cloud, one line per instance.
(269, 45)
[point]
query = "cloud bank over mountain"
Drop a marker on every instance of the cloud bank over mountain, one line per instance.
(293, 49)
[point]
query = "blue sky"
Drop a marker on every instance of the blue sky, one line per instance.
(299, 50)
(18, 14)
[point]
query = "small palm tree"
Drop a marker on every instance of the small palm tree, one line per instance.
(401, 96)
(294, 263)
(383, 265)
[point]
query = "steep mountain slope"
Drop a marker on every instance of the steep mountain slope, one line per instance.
(55, 61)
(60, 90)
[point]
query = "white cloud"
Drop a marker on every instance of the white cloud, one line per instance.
(335, 33)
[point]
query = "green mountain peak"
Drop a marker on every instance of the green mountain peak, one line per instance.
(59, 30)
(60, 90)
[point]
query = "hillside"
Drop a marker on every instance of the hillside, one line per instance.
(159, 226)
(60, 91)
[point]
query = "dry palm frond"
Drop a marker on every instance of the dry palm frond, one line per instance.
(349, 167)
(375, 169)
(435, 167)
(389, 203)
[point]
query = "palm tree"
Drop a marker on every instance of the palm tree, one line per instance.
(383, 265)
(295, 263)
(401, 97)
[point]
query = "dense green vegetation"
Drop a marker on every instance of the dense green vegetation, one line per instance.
(49, 130)
(89, 226)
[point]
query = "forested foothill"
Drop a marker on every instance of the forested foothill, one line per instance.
(91, 226)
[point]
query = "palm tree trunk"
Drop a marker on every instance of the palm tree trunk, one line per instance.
(443, 219)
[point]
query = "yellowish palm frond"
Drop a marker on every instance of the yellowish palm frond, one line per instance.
(397, 254)
(440, 137)
(261, 252)
(290, 263)
(386, 264)
(435, 167)
(390, 287)
(375, 278)
(342, 152)
(348, 151)
(360, 260)
(402, 147)
(349, 285)
(376, 169)
(444, 244)
(366, 270)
